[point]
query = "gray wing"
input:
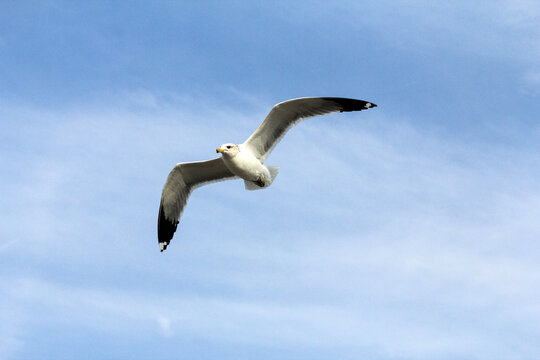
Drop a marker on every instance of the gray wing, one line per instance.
(182, 180)
(288, 113)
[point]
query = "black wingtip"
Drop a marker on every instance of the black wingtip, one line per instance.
(166, 229)
(370, 105)
(348, 105)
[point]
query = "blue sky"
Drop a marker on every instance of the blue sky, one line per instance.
(409, 231)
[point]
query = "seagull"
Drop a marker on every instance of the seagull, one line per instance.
(244, 161)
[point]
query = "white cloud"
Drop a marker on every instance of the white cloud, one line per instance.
(414, 245)
(164, 324)
(439, 33)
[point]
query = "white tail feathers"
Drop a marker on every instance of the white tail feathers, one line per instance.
(272, 170)
(250, 185)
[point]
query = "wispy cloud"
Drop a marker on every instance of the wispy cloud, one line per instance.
(406, 231)
(379, 236)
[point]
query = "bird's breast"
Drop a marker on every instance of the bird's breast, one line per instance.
(244, 165)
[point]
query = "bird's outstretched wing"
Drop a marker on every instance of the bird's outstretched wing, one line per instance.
(182, 180)
(288, 113)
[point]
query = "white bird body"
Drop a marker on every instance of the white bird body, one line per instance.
(244, 164)
(245, 161)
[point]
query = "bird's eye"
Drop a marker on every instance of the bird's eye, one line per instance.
(228, 146)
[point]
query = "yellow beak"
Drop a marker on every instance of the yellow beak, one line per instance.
(220, 150)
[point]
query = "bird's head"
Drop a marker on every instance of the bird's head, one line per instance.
(228, 149)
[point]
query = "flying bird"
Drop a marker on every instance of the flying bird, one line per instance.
(245, 161)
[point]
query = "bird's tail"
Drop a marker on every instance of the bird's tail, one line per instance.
(274, 170)
(251, 185)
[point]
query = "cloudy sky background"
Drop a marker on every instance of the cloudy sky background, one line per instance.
(409, 231)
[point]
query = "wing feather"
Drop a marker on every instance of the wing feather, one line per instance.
(182, 180)
(288, 113)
